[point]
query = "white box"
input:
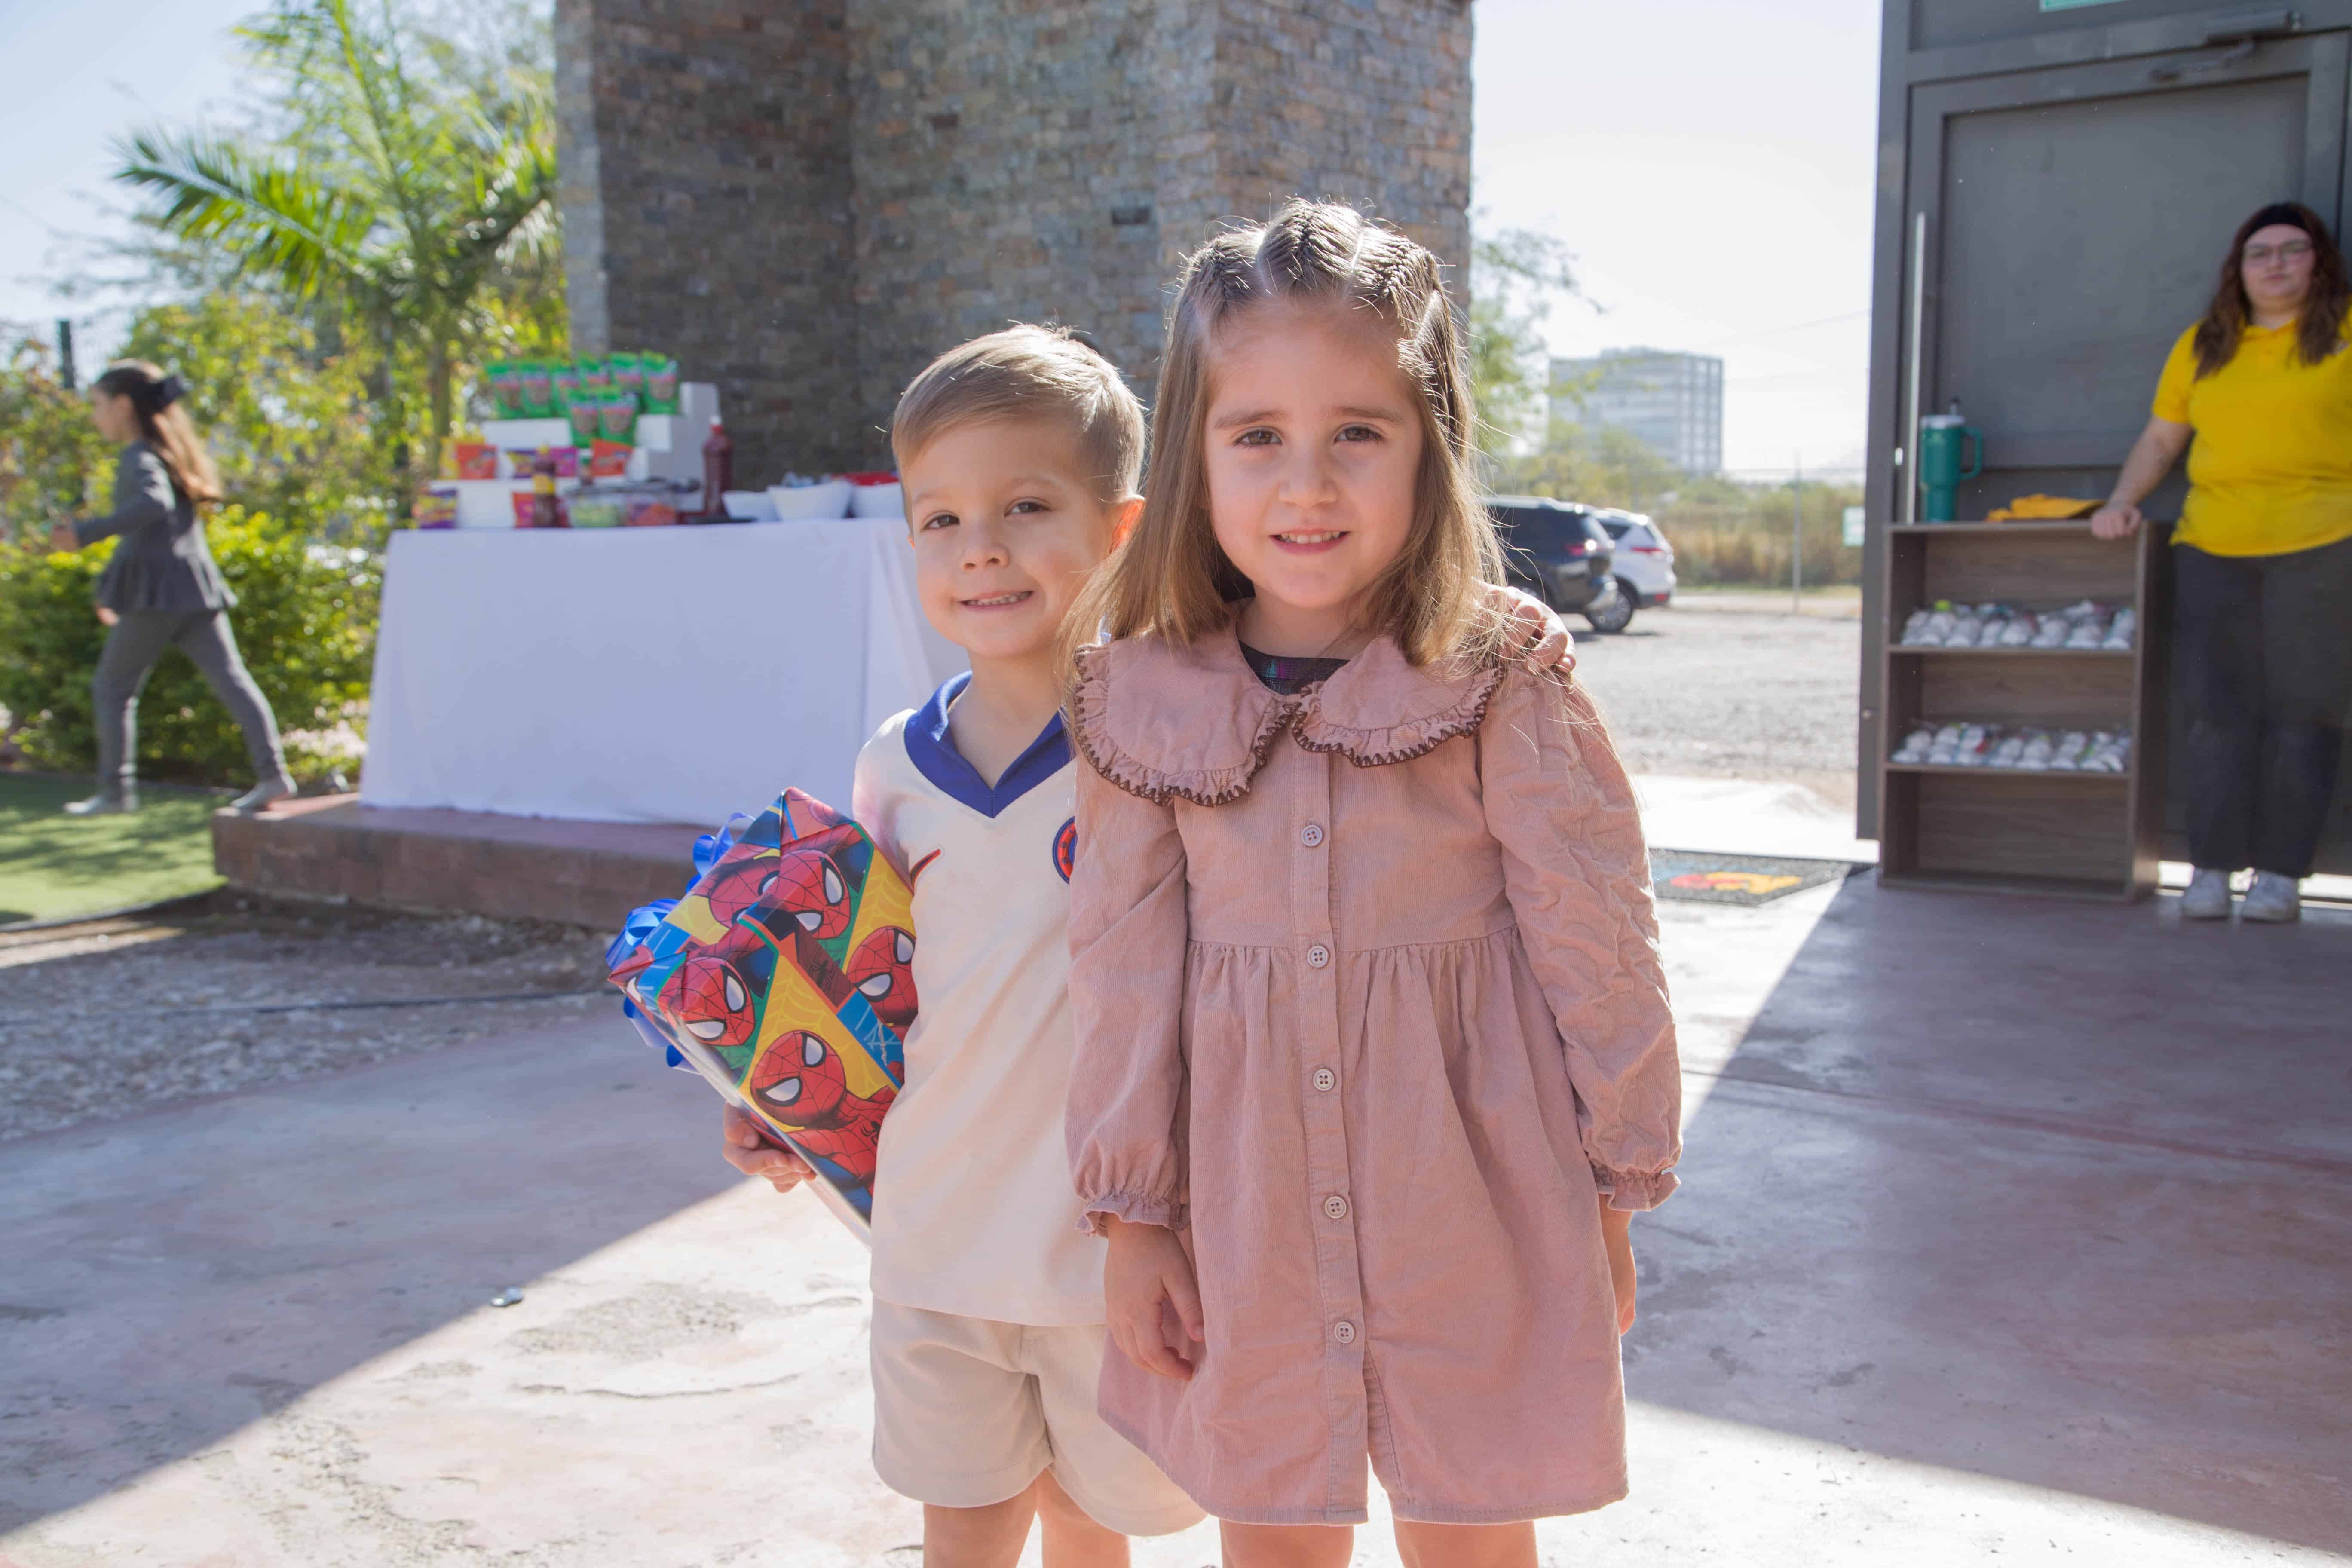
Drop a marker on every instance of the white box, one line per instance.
(489, 503)
(511, 435)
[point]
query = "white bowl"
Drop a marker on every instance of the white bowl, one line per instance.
(828, 499)
(750, 506)
(878, 501)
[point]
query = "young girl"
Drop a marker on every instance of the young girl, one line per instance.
(1374, 1059)
(162, 590)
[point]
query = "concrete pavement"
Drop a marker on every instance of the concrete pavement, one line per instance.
(2012, 1229)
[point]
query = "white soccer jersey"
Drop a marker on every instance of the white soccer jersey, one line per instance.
(974, 1209)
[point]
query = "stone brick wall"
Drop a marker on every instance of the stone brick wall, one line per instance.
(704, 146)
(808, 201)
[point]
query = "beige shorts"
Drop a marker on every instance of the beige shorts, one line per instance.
(968, 1412)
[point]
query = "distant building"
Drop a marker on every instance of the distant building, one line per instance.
(1671, 402)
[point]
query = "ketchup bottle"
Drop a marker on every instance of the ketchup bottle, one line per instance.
(717, 471)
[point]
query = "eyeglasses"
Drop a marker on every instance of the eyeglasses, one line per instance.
(2264, 254)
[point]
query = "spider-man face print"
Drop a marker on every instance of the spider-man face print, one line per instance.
(812, 890)
(736, 888)
(882, 970)
(709, 1001)
(799, 1081)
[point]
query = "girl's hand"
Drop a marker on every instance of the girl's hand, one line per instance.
(1146, 1276)
(1617, 1235)
(748, 1151)
(61, 537)
(2114, 522)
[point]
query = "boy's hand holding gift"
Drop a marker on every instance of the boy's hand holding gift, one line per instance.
(784, 978)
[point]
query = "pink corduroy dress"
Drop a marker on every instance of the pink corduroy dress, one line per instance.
(1367, 993)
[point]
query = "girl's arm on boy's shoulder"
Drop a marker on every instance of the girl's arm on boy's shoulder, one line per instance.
(1128, 930)
(1577, 873)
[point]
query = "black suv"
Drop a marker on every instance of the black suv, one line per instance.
(1562, 555)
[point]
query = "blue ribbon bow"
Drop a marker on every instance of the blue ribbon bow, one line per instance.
(646, 918)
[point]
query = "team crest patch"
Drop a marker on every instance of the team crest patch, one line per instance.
(1066, 848)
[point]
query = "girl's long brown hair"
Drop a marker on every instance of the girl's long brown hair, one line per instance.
(2318, 331)
(1172, 577)
(166, 428)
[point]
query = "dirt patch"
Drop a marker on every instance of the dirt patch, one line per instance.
(230, 991)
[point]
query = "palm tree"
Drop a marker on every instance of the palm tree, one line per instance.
(401, 188)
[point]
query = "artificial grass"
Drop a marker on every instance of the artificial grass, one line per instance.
(53, 865)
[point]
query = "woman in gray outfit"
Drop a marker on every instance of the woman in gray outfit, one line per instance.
(162, 590)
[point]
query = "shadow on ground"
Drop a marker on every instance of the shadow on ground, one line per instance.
(176, 1275)
(2055, 1193)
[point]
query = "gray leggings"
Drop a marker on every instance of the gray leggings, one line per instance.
(134, 645)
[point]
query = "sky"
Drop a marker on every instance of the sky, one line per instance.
(1708, 163)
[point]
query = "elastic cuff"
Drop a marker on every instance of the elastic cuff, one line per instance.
(1634, 1191)
(1135, 1209)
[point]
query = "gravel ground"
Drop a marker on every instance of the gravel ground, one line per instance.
(1733, 686)
(129, 1013)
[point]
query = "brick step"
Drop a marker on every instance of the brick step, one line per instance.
(453, 862)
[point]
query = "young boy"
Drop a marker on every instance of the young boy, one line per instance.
(1019, 453)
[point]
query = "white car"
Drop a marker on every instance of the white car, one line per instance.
(1644, 561)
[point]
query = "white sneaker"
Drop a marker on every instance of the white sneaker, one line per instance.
(103, 805)
(2273, 899)
(262, 794)
(2208, 897)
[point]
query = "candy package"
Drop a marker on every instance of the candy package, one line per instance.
(475, 460)
(629, 378)
(435, 507)
(661, 383)
(586, 417)
(784, 978)
(608, 459)
(523, 461)
(595, 375)
(505, 379)
(538, 390)
(617, 419)
(564, 376)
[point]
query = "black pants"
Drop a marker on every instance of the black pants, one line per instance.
(2265, 649)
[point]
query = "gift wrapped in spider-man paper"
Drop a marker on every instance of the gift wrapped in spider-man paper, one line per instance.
(784, 978)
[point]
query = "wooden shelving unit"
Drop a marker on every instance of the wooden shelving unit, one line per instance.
(2067, 834)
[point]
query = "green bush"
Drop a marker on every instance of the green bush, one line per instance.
(305, 622)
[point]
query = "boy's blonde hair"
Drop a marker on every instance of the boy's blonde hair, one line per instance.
(1029, 373)
(1171, 576)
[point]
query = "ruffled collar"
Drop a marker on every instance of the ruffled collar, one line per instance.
(1192, 722)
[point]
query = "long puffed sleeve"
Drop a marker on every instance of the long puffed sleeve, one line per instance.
(142, 495)
(1128, 937)
(1577, 874)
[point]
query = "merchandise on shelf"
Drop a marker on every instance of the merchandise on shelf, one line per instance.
(435, 507)
(523, 461)
(473, 460)
(661, 383)
(2086, 624)
(1958, 743)
(537, 389)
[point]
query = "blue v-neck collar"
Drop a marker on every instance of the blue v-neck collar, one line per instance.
(936, 758)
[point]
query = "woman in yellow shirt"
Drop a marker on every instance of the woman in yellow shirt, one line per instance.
(2263, 558)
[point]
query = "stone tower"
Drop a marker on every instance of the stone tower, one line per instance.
(805, 200)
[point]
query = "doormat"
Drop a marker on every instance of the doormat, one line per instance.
(1704, 878)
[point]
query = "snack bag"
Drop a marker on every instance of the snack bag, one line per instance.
(585, 415)
(784, 978)
(526, 511)
(565, 377)
(629, 376)
(609, 459)
(476, 460)
(595, 375)
(616, 420)
(538, 390)
(523, 461)
(661, 384)
(435, 507)
(506, 389)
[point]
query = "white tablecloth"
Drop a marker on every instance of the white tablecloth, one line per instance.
(641, 675)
